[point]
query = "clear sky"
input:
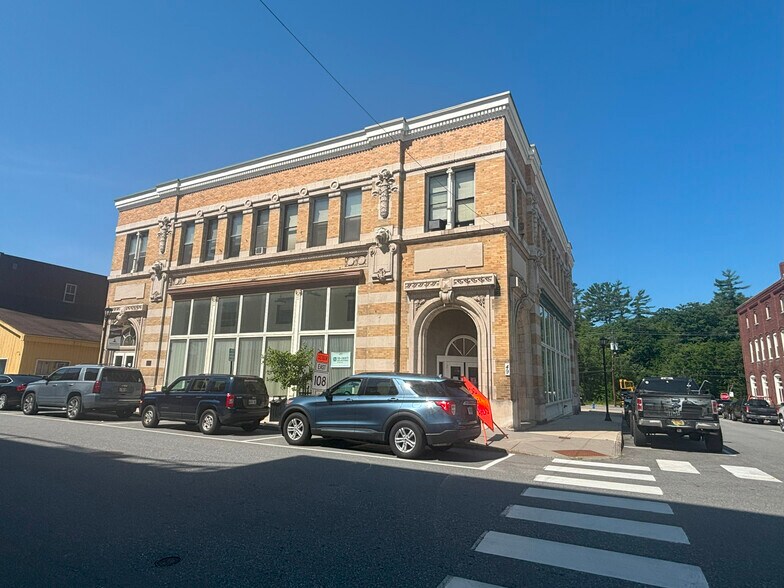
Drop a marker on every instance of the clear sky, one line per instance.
(660, 124)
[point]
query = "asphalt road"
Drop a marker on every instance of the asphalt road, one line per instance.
(101, 502)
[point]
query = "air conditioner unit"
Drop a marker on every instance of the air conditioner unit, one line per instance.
(259, 250)
(436, 225)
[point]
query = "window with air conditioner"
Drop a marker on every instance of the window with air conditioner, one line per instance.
(260, 231)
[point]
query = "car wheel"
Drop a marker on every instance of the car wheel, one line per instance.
(640, 439)
(695, 436)
(249, 427)
(3, 401)
(150, 417)
(208, 422)
(29, 405)
(781, 422)
(407, 440)
(441, 448)
(74, 408)
(714, 442)
(296, 429)
(124, 414)
(743, 418)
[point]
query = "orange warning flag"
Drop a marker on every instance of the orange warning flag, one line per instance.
(483, 410)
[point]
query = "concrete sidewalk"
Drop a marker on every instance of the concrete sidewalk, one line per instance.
(583, 436)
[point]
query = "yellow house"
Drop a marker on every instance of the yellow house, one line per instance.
(32, 344)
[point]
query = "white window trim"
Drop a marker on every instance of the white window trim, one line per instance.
(66, 293)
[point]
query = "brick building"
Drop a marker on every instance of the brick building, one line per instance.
(428, 245)
(761, 323)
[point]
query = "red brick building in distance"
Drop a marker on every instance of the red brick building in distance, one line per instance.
(761, 322)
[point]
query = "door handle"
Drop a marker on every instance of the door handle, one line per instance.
(349, 399)
(392, 398)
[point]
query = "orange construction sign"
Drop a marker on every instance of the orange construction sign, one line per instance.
(483, 410)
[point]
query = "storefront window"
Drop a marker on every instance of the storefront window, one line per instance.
(556, 356)
(281, 311)
(228, 314)
(314, 309)
(253, 309)
(342, 306)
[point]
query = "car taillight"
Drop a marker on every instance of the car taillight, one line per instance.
(21, 388)
(715, 407)
(97, 387)
(639, 405)
(229, 400)
(447, 405)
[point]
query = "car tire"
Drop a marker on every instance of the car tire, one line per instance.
(695, 436)
(29, 405)
(73, 408)
(250, 427)
(208, 422)
(407, 440)
(296, 429)
(714, 442)
(640, 438)
(150, 418)
(3, 401)
(743, 418)
(781, 423)
(124, 414)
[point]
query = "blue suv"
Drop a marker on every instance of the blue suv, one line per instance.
(406, 411)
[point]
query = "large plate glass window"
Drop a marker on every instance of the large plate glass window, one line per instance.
(281, 311)
(342, 307)
(314, 309)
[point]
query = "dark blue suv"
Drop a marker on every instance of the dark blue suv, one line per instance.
(209, 400)
(407, 411)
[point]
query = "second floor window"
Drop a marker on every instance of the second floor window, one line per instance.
(135, 252)
(260, 231)
(318, 221)
(69, 295)
(210, 239)
(450, 200)
(186, 248)
(351, 220)
(234, 235)
(288, 234)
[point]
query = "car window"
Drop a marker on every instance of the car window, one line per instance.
(4, 379)
(759, 403)
(347, 388)
(116, 375)
(379, 387)
(90, 374)
(669, 385)
(430, 388)
(71, 374)
(199, 385)
(218, 384)
(254, 386)
(180, 385)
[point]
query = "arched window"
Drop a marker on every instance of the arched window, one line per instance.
(751, 351)
(753, 385)
(779, 388)
(756, 348)
(462, 346)
(770, 347)
(765, 389)
(776, 345)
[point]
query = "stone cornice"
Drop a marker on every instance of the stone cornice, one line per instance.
(499, 105)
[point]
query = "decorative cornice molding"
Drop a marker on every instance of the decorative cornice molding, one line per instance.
(499, 105)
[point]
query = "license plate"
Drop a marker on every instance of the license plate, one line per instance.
(678, 423)
(123, 388)
(251, 401)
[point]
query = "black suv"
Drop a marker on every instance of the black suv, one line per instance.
(211, 400)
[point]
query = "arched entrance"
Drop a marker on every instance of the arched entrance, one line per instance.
(122, 344)
(451, 346)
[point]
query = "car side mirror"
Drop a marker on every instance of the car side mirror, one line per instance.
(165, 389)
(328, 395)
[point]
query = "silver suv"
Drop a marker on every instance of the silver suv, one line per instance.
(79, 388)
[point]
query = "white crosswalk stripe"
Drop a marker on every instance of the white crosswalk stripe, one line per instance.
(616, 515)
(750, 473)
(683, 467)
(600, 473)
(612, 564)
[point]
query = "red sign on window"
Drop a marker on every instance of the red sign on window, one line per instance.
(322, 357)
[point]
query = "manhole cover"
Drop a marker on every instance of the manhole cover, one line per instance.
(580, 453)
(166, 562)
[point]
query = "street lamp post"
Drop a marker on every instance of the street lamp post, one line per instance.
(603, 343)
(107, 312)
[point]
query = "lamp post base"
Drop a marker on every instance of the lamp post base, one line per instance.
(607, 417)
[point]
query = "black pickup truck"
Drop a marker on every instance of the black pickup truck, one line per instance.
(676, 407)
(757, 410)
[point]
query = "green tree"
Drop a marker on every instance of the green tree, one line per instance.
(729, 289)
(290, 370)
(605, 302)
(641, 305)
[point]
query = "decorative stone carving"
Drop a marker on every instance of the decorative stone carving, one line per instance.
(222, 208)
(248, 203)
(382, 257)
(480, 300)
(180, 281)
(383, 186)
(445, 292)
(303, 192)
(334, 185)
(199, 213)
(159, 277)
(164, 229)
(356, 261)
(448, 290)
(274, 197)
(418, 302)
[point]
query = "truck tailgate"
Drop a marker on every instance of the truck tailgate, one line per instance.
(677, 407)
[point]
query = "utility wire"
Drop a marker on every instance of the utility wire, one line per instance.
(357, 102)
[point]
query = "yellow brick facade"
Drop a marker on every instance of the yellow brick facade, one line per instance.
(500, 269)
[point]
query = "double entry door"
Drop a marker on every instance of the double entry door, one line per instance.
(457, 367)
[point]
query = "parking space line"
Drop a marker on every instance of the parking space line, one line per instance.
(750, 473)
(682, 467)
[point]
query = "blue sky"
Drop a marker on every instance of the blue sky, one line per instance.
(660, 124)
